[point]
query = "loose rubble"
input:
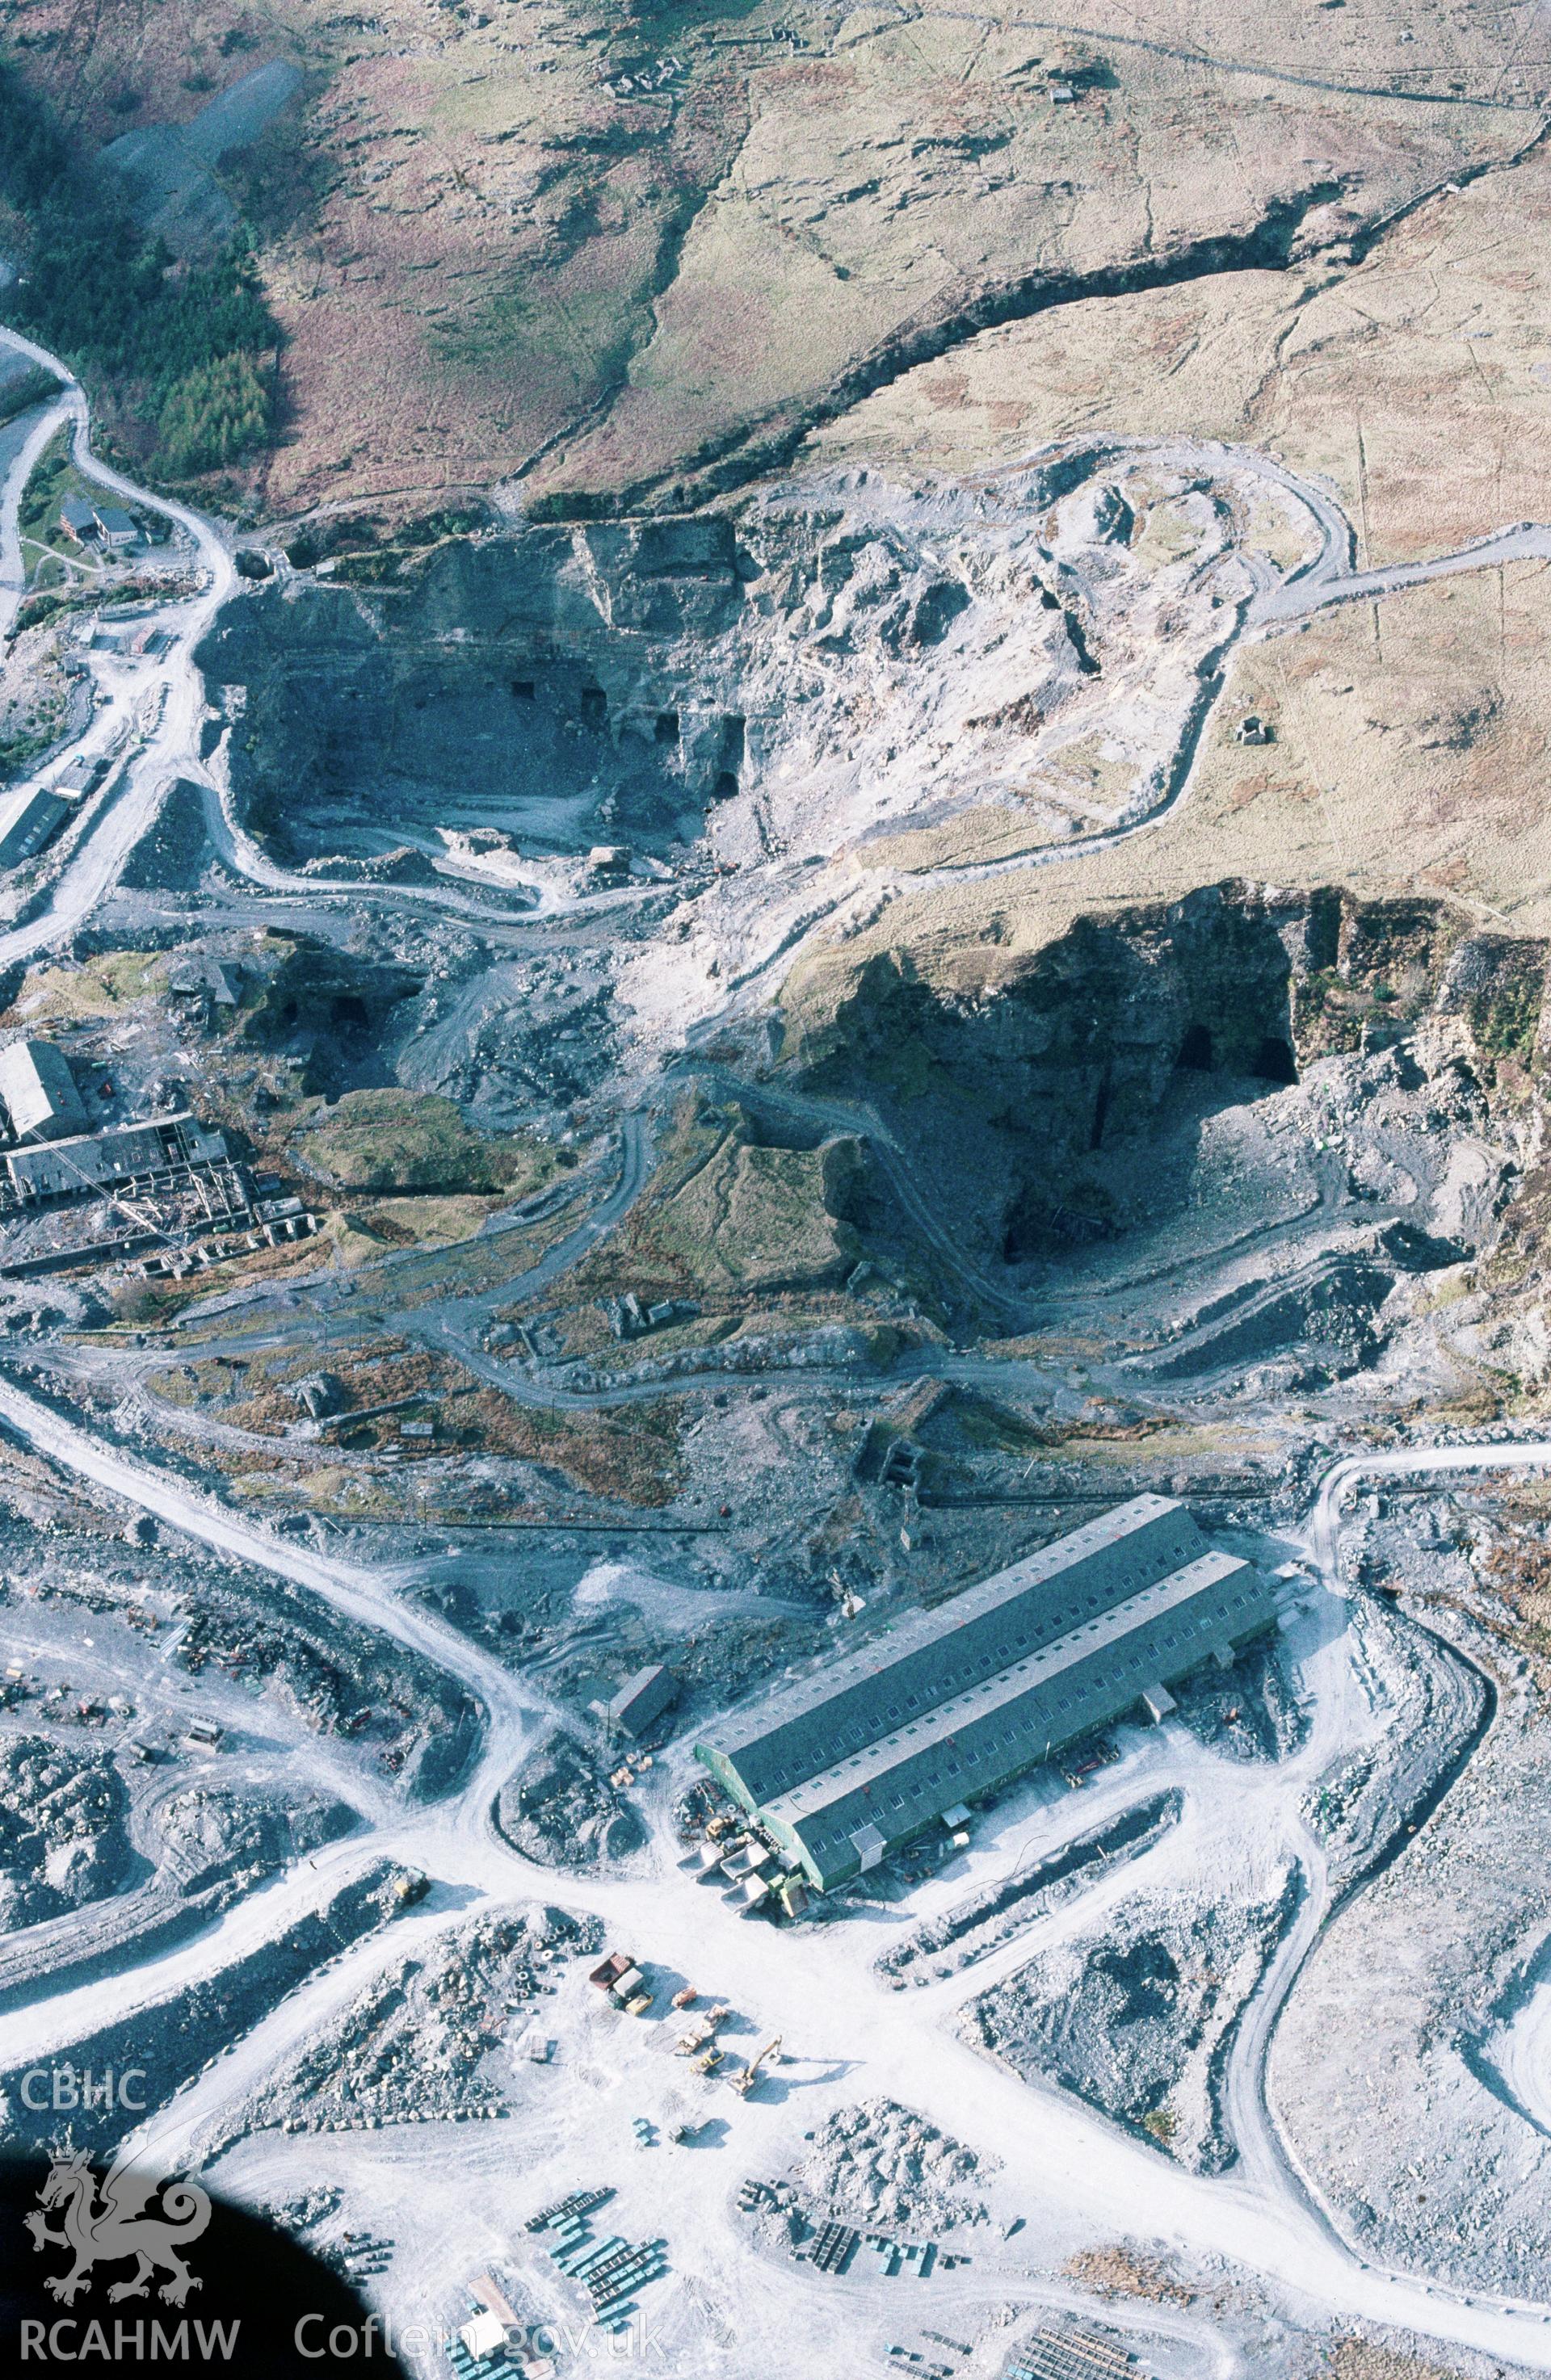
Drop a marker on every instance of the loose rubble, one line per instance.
(881, 2164)
(1141, 2021)
(433, 2038)
(561, 1810)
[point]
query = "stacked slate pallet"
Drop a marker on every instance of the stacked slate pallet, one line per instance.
(611, 2269)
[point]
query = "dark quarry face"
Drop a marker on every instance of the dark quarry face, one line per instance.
(556, 687)
(1043, 1107)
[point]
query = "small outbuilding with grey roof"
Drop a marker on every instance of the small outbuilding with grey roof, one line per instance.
(83, 775)
(78, 519)
(39, 1091)
(28, 820)
(641, 1699)
(118, 527)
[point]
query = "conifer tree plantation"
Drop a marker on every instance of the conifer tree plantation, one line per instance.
(181, 357)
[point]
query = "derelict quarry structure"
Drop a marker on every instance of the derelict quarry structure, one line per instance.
(956, 1703)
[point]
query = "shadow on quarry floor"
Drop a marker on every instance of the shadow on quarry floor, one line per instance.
(1213, 1174)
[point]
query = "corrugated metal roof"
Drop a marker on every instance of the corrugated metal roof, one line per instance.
(26, 819)
(982, 1740)
(936, 1654)
(642, 1698)
(1188, 1592)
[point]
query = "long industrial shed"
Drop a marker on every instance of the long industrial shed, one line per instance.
(955, 1704)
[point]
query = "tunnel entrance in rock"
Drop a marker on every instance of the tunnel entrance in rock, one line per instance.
(1052, 1218)
(1081, 1100)
(1275, 1061)
(1271, 1060)
(538, 749)
(566, 687)
(335, 1018)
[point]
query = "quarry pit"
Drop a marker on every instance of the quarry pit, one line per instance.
(657, 1063)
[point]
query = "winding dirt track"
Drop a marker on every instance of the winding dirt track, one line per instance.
(1258, 70)
(174, 751)
(1273, 601)
(821, 1984)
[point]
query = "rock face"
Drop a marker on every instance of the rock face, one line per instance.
(544, 676)
(62, 1837)
(844, 657)
(1070, 1053)
(1037, 1086)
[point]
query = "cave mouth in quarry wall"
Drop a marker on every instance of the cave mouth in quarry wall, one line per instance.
(554, 687)
(1064, 1106)
(558, 687)
(1273, 1061)
(1131, 1180)
(526, 745)
(847, 654)
(1148, 1115)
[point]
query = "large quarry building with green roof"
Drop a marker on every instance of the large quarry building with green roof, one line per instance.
(953, 1705)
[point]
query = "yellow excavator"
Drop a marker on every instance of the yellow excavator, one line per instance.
(743, 2082)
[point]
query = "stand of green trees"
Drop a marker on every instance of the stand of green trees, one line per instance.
(178, 350)
(22, 389)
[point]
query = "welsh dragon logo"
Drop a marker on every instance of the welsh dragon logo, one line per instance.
(105, 2222)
